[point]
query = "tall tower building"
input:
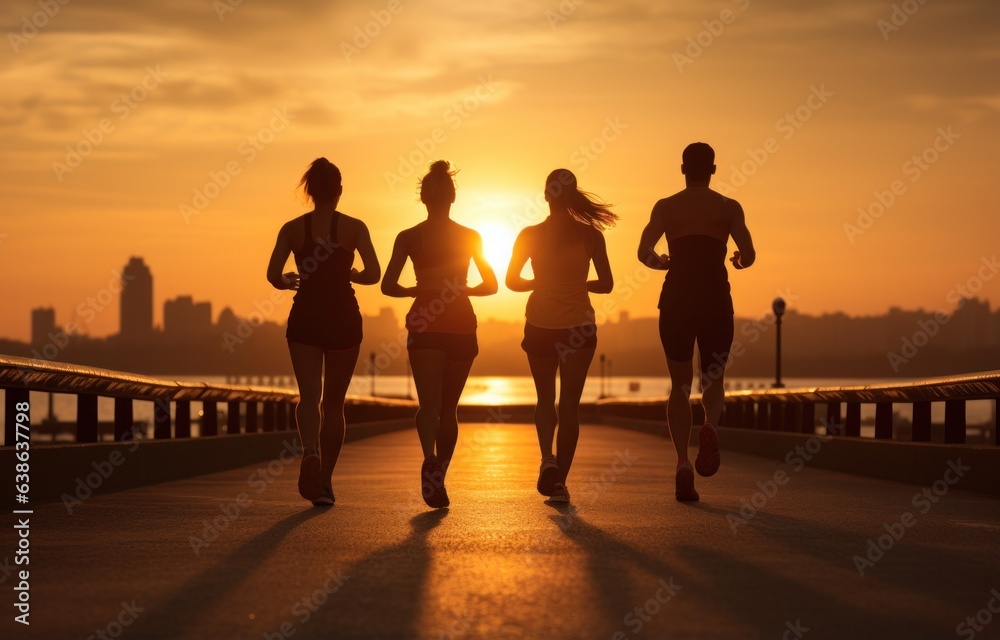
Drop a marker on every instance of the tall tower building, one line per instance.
(43, 322)
(136, 300)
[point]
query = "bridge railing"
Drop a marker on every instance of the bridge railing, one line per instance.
(795, 410)
(20, 376)
(249, 408)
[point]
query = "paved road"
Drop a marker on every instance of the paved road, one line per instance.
(625, 562)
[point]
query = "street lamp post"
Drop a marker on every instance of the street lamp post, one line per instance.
(603, 395)
(778, 306)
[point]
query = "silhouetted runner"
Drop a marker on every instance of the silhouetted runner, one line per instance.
(695, 304)
(560, 334)
(441, 323)
(324, 324)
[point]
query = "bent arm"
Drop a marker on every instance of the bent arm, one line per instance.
(489, 284)
(745, 254)
(519, 258)
(651, 234)
(372, 269)
(279, 256)
(390, 283)
(605, 281)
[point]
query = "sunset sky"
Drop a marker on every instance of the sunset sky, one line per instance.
(116, 115)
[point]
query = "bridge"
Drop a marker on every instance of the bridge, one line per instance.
(809, 530)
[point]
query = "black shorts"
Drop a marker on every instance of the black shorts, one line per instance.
(456, 346)
(333, 331)
(544, 343)
(680, 327)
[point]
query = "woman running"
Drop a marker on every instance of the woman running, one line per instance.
(441, 323)
(695, 303)
(324, 324)
(560, 334)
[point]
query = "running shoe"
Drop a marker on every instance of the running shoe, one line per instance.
(310, 480)
(432, 484)
(548, 475)
(707, 462)
(325, 499)
(685, 484)
(560, 494)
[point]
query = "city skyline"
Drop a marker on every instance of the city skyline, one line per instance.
(133, 303)
(190, 340)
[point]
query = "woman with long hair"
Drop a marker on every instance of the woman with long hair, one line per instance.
(560, 333)
(441, 322)
(324, 324)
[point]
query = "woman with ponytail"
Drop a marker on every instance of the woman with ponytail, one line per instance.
(324, 324)
(441, 322)
(560, 334)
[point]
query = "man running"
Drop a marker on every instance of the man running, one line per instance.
(695, 304)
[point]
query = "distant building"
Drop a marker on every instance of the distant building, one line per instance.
(136, 300)
(183, 317)
(43, 323)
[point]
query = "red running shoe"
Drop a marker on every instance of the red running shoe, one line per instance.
(685, 484)
(708, 460)
(310, 482)
(432, 484)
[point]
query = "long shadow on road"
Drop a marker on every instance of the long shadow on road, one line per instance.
(915, 570)
(179, 613)
(613, 565)
(383, 595)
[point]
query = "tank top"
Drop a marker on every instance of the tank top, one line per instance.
(697, 274)
(441, 267)
(561, 264)
(324, 271)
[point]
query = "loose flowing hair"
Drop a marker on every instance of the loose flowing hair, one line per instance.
(321, 181)
(561, 189)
